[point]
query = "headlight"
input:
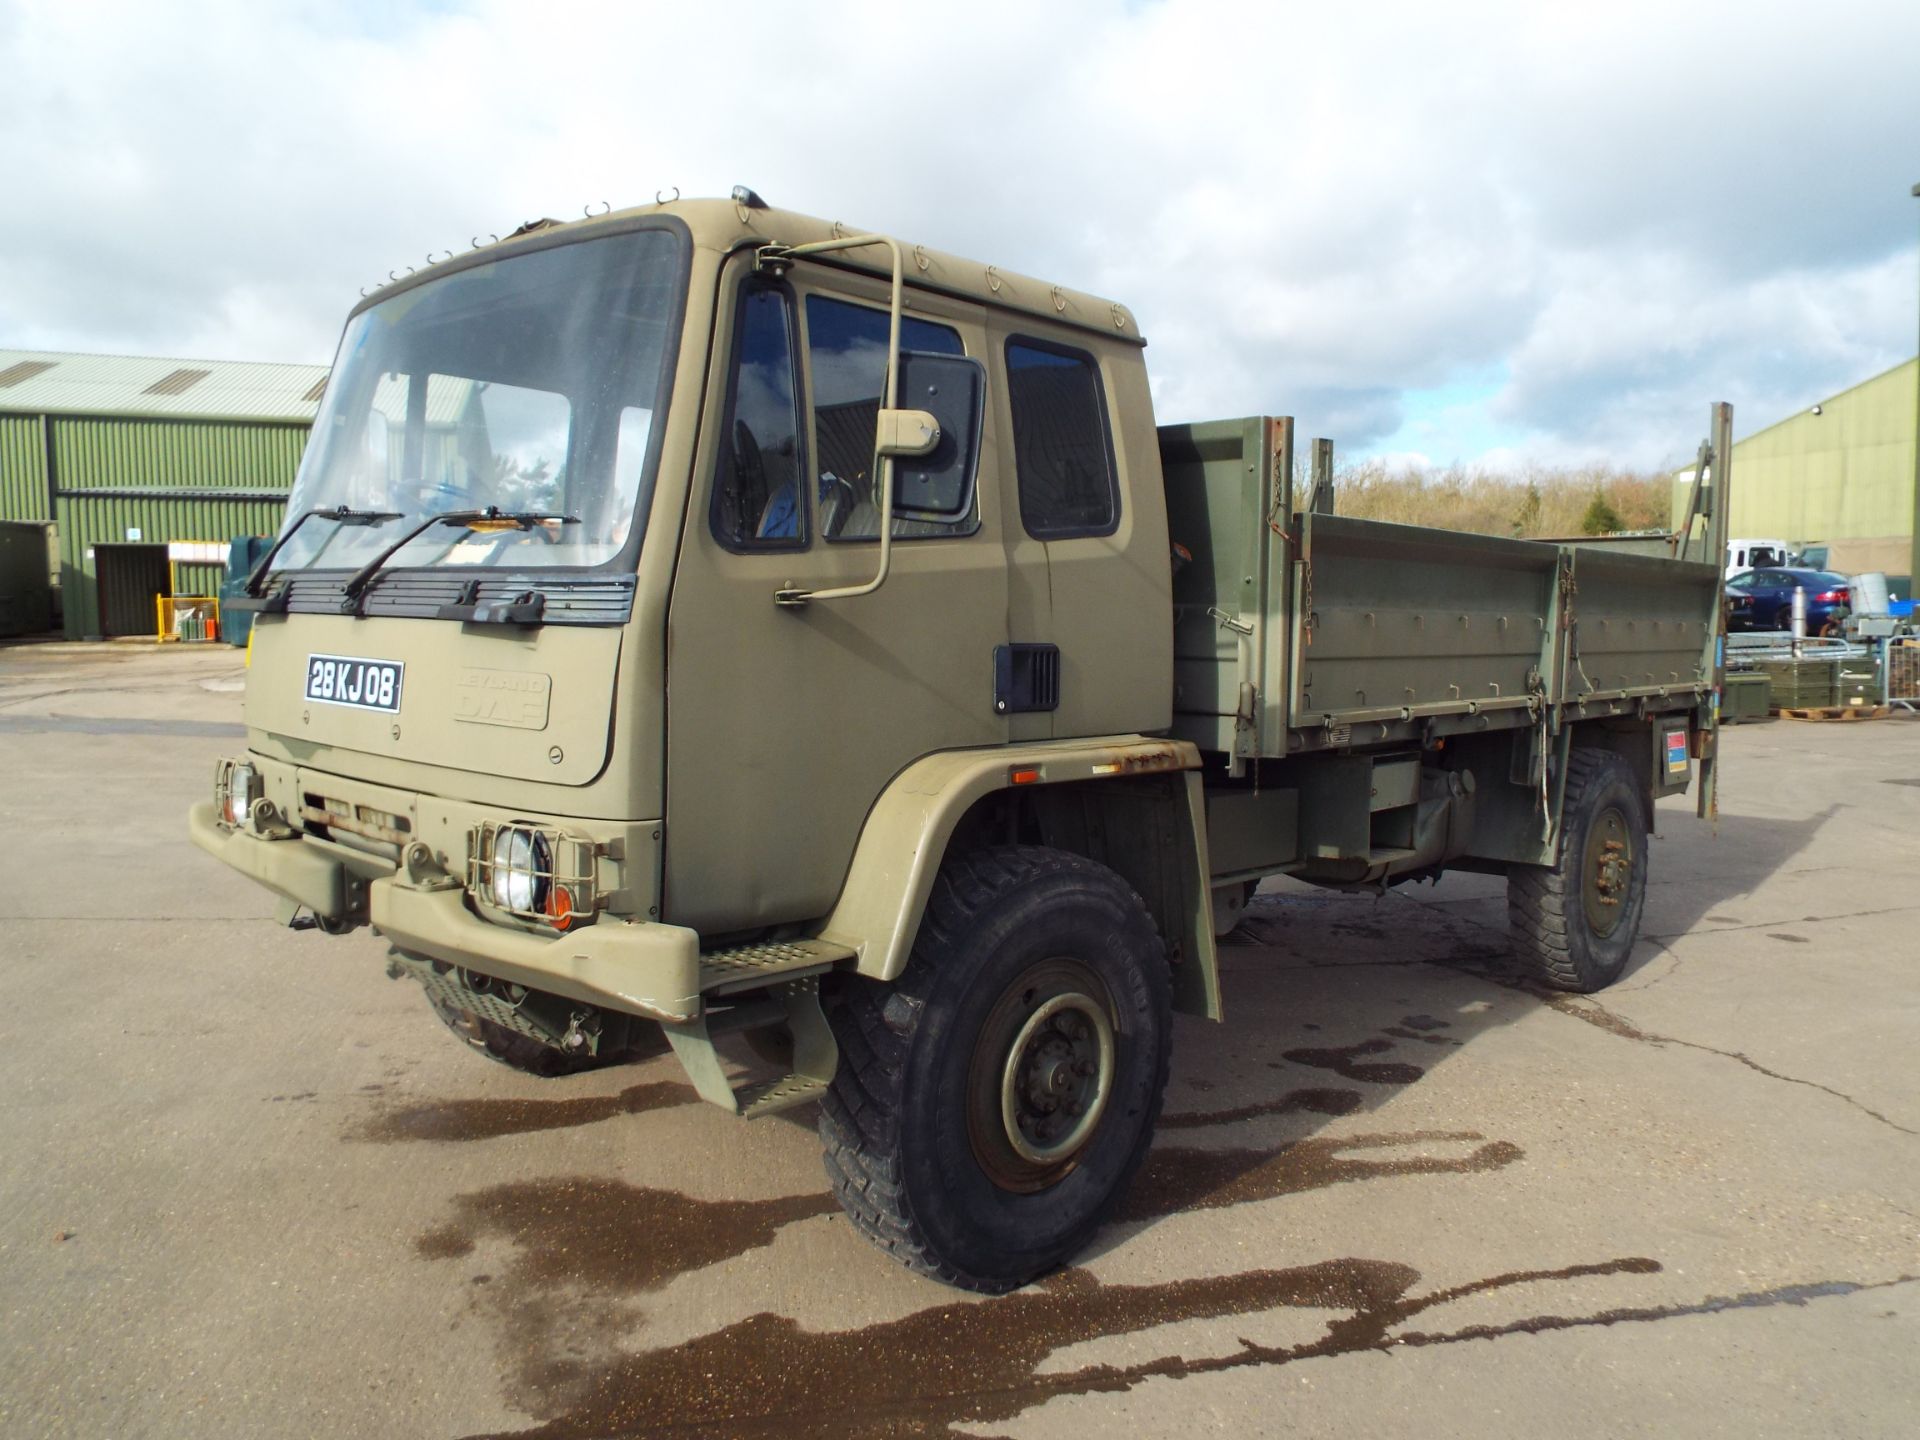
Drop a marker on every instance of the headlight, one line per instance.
(519, 870)
(243, 785)
(534, 873)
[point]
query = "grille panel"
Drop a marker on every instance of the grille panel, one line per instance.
(419, 594)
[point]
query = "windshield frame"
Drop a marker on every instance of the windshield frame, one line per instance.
(623, 561)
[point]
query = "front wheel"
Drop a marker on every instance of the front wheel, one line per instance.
(992, 1103)
(1574, 922)
(509, 1047)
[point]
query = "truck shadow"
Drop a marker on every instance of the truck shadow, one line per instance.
(1338, 1003)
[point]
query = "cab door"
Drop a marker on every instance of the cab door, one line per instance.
(1085, 498)
(785, 724)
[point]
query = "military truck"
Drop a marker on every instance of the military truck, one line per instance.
(710, 623)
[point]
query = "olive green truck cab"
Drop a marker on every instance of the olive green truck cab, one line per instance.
(710, 622)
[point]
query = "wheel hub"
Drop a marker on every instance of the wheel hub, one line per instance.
(1608, 873)
(1042, 1072)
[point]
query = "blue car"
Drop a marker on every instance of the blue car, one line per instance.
(1763, 599)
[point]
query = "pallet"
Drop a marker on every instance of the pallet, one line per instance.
(1835, 712)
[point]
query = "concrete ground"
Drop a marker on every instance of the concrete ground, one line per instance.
(250, 1186)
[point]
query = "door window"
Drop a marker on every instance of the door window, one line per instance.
(758, 502)
(847, 359)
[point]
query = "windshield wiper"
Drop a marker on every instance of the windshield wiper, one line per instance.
(474, 519)
(339, 514)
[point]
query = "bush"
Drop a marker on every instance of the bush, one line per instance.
(1601, 518)
(1536, 502)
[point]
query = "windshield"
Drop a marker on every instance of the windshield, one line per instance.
(531, 384)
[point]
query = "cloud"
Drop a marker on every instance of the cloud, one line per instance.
(1628, 211)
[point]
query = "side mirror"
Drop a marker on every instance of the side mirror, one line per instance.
(936, 483)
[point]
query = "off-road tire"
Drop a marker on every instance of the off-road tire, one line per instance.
(510, 1048)
(899, 1126)
(1547, 912)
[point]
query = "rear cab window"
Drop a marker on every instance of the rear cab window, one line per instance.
(1062, 442)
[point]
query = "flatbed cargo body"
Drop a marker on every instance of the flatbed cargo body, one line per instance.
(1297, 631)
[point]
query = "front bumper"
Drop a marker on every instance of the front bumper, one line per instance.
(290, 869)
(638, 967)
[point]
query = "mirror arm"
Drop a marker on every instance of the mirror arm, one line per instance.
(775, 256)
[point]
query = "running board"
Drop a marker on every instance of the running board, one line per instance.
(794, 1003)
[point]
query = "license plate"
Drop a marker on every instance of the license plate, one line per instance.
(363, 684)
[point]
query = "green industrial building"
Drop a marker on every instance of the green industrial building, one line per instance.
(1840, 473)
(142, 469)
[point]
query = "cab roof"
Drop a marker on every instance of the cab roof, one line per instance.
(728, 225)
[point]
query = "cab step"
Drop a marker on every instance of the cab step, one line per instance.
(790, 1002)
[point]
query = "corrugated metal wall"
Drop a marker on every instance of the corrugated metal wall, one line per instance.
(23, 470)
(87, 521)
(119, 454)
(169, 480)
(1843, 477)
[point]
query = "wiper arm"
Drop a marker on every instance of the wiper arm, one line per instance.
(472, 519)
(340, 515)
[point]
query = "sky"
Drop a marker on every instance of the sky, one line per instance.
(1500, 235)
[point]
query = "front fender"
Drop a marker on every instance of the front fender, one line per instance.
(907, 833)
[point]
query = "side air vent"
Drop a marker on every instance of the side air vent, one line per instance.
(1025, 678)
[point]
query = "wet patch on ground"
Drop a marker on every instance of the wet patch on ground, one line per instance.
(461, 1120)
(583, 1251)
(977, 1362)
(609, 1236)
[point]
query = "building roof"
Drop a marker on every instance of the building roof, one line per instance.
(52, 382)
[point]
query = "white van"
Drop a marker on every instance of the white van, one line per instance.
(1752, 554)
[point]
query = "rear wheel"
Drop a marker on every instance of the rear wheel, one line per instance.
(1574, 922)
(992, 1103)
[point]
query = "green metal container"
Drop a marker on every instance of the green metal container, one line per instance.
(1802, 684)
(1745, 697)
(1859, 682)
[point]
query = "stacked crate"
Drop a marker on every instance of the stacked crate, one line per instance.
(1802, 684)
(1859, 682)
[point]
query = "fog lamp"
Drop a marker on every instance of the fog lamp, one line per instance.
(243, 785)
